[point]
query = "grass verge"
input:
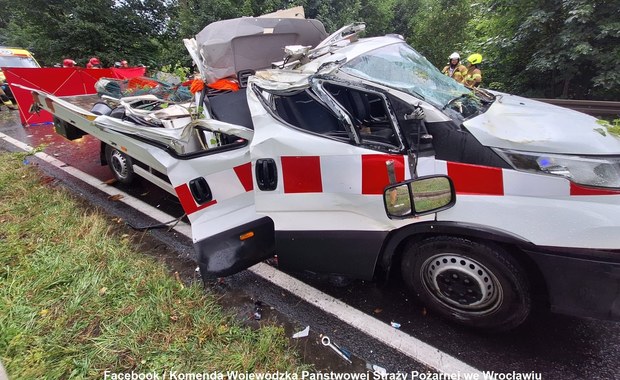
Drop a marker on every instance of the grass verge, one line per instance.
(76, 298)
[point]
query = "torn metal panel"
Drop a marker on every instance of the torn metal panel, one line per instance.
(281, 80)
(192, 47)
(181, 140)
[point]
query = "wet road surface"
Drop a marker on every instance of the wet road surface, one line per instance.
(555, 346)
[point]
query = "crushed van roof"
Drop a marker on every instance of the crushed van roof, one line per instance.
(229, 46)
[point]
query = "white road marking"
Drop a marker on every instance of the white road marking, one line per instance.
(416, 349)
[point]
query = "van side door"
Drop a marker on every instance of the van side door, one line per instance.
(322, 157)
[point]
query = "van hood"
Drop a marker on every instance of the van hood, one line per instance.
(514, 122)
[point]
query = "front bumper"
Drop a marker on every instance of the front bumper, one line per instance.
(581, 282)
(227, 253)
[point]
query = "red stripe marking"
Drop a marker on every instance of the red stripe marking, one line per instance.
(302, 174)
(244, 173)
(374, 172)
(475, 179)
(187, 200)
(576, 189)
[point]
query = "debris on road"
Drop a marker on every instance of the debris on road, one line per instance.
(258, 310)
(302, 334)
(396, 325)
(382, 372)
(346, 355)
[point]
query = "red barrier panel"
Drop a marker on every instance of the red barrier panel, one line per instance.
(60, 82)
(129, 72)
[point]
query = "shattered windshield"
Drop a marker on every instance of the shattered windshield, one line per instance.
(400, 67)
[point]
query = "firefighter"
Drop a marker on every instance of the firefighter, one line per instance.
(93, 63)
(68, 62)
(6, 101)
(473, 78)
(124, 64)
(454, 69)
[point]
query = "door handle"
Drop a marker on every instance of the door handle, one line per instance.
(200, 190)
(266, 173)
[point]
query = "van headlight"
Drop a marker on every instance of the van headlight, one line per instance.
(599, 171)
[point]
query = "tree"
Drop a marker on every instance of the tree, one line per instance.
(440, 28)
(551, 48)
(109, 29)
(378, 16)
(334, 14)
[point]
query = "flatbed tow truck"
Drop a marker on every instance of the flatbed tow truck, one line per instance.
(355, 156)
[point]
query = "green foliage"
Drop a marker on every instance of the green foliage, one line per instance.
(179, 71)
(378, 16)
(80, 29)
(78, 296)
(612, 127)
(551, 48)
(333, 13)
(442, 30)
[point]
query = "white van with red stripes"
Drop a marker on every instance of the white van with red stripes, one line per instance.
(359, 158)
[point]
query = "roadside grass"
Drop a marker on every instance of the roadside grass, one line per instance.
(76, 298)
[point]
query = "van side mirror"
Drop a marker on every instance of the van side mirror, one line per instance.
(420, 196)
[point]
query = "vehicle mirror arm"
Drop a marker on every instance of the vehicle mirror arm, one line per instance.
(413, 163)
(412, 153)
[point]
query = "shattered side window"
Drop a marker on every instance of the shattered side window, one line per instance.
(303, 111)
(369, 115)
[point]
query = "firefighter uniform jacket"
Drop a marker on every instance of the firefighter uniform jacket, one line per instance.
(457, 72)
(473, 77)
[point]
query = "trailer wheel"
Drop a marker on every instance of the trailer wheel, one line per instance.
(470, 283)
(120, 164)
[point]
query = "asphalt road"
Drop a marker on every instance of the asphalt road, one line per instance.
(557, 347)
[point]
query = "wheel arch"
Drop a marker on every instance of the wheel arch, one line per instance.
(398, 240)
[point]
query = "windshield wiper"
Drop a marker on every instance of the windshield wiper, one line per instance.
(482, 94)
(462, 96)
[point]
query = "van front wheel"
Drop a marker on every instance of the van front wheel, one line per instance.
(474, 284)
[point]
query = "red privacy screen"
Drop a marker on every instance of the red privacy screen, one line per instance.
(60, 82)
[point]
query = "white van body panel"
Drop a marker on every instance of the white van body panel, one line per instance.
(514, 122)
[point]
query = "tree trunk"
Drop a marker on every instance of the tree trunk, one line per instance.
(565, 89)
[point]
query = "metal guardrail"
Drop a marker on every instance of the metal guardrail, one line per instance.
(591, 107)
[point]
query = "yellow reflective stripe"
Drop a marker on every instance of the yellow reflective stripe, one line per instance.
(476, 76)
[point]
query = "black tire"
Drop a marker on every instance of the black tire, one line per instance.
(470, 283)
(120, 164)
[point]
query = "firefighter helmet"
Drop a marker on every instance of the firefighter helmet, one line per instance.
(475, 59)
(455, 55)
(68, 63)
